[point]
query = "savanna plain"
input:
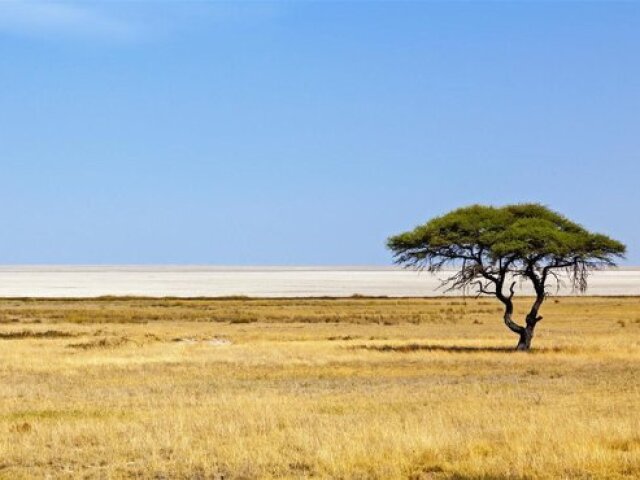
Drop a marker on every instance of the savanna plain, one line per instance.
(327, 388)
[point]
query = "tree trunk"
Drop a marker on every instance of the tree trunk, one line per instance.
(525, 338)
(525, 333)
(532, 319)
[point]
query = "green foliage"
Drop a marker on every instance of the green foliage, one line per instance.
(521, 239)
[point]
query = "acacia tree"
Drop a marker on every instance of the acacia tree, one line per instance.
(492, 248)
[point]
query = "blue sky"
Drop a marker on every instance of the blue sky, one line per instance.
(306, 133)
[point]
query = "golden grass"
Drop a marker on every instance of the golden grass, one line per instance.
(352, 388)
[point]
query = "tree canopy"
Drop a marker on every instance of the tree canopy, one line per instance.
(509, 238)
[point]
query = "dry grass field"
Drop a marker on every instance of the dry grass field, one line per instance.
(352, 388)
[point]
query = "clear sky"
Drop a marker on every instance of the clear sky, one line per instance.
(306, 133)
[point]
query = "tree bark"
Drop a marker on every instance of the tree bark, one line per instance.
(525, 338)
(523, 332)
(526, 334)
(525, 341)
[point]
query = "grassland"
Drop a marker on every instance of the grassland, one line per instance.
(354, 388)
